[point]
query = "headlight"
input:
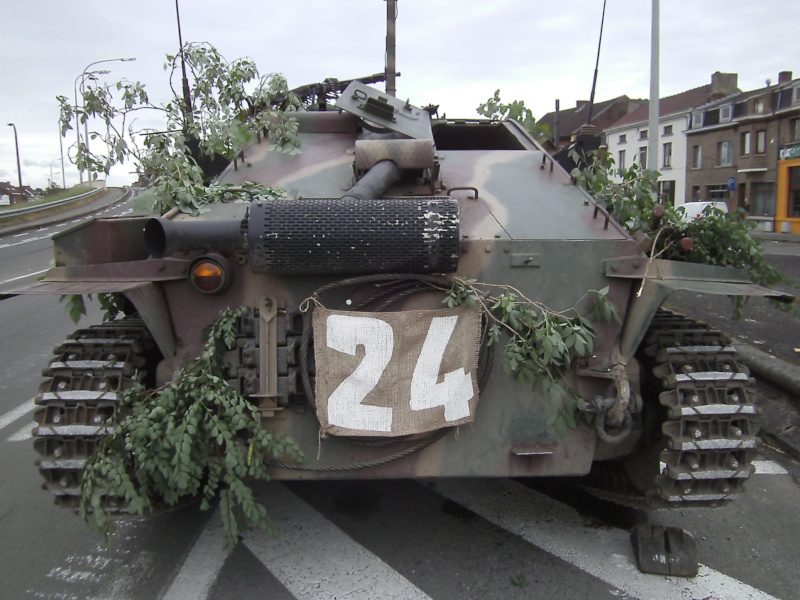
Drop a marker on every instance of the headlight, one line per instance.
(209, 275)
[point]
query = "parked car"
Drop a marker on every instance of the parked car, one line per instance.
(693, 210)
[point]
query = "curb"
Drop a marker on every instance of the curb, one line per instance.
(779, 419)
(771, 236)
(770, 367)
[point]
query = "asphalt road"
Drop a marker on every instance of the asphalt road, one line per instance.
(382, 539)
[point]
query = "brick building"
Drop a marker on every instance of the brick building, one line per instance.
(566, 124)
(743, 148)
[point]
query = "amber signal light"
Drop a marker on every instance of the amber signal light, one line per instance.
(209, 275)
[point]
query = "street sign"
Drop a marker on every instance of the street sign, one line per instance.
(731, 184)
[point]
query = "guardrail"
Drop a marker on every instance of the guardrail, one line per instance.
(38, 207)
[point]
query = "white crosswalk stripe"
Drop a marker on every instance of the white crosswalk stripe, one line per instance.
(23, 434)
(605, 553)
(17, 413)
(310, 556)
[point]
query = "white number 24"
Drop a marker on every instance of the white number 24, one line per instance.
(345, 409)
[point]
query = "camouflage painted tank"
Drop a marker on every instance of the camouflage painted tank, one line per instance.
(346, 344)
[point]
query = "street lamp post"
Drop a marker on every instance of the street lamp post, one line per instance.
(16, 143)
(51, 170)
(61, 148)
(83, 74)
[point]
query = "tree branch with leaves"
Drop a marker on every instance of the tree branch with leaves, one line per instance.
(496, 110)
(232, 104)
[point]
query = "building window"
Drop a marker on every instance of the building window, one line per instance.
(621, 159)
(643, 157)
(717, 192)
(667, 152)
(697, 156)
(724, 154)
(794, 192)
(725, 113)
(796, 94)
(761, 141)
(763, 200)
(623, 138)
(643, 134)
(667, 129)
(795, 124)
(696, 193)
(697, 120)
(745, 143)
(666, 189)
(758, 106)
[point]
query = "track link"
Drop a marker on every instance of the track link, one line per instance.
(711, 424)
(707, 440)
(77, 400)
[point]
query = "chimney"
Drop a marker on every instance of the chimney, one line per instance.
(724, 84)
(784, 77)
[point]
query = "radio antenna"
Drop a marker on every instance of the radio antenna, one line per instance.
(596, 65)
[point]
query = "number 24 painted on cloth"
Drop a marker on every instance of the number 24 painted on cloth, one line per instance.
(345, 333)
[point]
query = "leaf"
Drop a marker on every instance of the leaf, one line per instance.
(560, 426)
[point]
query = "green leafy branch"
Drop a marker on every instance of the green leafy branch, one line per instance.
(542, 343)
(232, 104)
(113, 305)
(718, 238)
(195, 436)
(495, 109)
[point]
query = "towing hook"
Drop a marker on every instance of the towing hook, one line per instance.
(598, 405)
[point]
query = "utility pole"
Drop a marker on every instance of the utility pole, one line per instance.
(652, 126)
(16, 143)
(391, 64)
(61, 148)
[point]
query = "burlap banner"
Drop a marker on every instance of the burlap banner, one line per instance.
(395, 373)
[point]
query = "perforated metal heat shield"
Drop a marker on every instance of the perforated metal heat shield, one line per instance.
(333, 235)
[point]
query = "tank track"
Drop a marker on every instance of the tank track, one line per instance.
(77, 400)
(708, 423)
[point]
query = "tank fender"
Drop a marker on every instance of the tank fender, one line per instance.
(662, 277)
(151, 304)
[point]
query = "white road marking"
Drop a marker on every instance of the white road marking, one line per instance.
(24, 276)
(202, 565)
(314, 559)
(767, 467)
(19, 412)
(23, 434)
(604, 553)
(310, 556)
(33, 239)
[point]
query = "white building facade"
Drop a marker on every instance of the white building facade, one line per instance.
(627, 140)
(628, 143)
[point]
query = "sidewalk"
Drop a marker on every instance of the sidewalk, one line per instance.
(775, 237)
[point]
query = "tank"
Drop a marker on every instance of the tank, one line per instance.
(347, 347)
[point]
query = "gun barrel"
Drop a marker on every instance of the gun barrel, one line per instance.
(375, 182)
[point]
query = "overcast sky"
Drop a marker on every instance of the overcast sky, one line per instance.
(454, 53)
